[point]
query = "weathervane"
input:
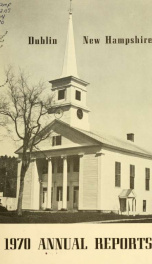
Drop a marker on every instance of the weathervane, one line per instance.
(70, 11)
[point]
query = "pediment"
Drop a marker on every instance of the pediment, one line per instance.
(127, 193)
(70, 137)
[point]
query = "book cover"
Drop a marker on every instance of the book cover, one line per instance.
(87, 187)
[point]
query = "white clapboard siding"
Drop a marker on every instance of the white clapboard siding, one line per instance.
(27, 194)
(90, 181)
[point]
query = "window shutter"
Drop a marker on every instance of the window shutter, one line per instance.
(132, 170)
(147, 173)
(117, 174)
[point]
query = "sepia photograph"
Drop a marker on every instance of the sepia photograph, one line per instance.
(75, 130)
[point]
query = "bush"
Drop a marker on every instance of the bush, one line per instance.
(63, 210)
(3, 209)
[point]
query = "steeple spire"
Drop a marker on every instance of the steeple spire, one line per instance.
(70, 65)
(70, 11)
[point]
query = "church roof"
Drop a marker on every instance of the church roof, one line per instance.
(114, 142)
(104, 140)
(127, 193)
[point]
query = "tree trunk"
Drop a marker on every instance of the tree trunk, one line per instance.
(20, 197)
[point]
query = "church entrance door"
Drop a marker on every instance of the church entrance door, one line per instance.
(44, 198)
(75, 197)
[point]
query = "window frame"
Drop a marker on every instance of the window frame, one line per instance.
(69, 165)
(45, 167)
(147, 179)
(56, 140)
(75, 189)
(144, 205)
(58, 188)
(77, 95)
(76, 164)
(59, 165)
(117, 174)
(61, 94)
(44, 190)
(132, 176)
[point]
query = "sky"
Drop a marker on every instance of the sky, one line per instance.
(120, 91)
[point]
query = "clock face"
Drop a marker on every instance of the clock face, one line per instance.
(79, 113)
(58, 113)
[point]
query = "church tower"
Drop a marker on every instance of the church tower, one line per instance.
(69, 90)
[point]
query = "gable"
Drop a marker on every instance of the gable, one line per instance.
(69, 138)
(132, 194)
(74, 137)
(127, 193)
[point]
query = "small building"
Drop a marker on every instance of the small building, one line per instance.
(8, 182)
(78, 169)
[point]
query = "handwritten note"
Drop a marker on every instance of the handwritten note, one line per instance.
(4, 10)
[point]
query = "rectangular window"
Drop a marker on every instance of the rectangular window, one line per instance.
(75, 194)
(53, 166)
(45, 167)
(117, 174)
(147, 179)
(78, 95)
(68, 193)
(144, 205)
(59, 196)
(76, 164)
(61, 94)
(59, 165)
(132, 176)
(44, 194)
(51, 194)
(68, 163)
(56, 140)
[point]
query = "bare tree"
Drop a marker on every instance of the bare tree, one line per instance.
(24, 106)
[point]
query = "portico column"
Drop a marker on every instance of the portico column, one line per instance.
(99, 156)
(81, 156)
(134, 206)
(64, 204)
(35, 202)
(127, 206)
(49, 186)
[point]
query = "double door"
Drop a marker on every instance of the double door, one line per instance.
(44, 198)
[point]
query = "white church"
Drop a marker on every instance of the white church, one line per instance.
(77, 169)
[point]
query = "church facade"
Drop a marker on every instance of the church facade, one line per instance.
(77, 169)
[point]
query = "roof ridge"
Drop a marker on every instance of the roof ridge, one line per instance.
(111, 141)
(123, 141)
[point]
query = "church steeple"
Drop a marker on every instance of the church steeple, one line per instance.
(70, 10)
(70, 91)
(69, 64)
